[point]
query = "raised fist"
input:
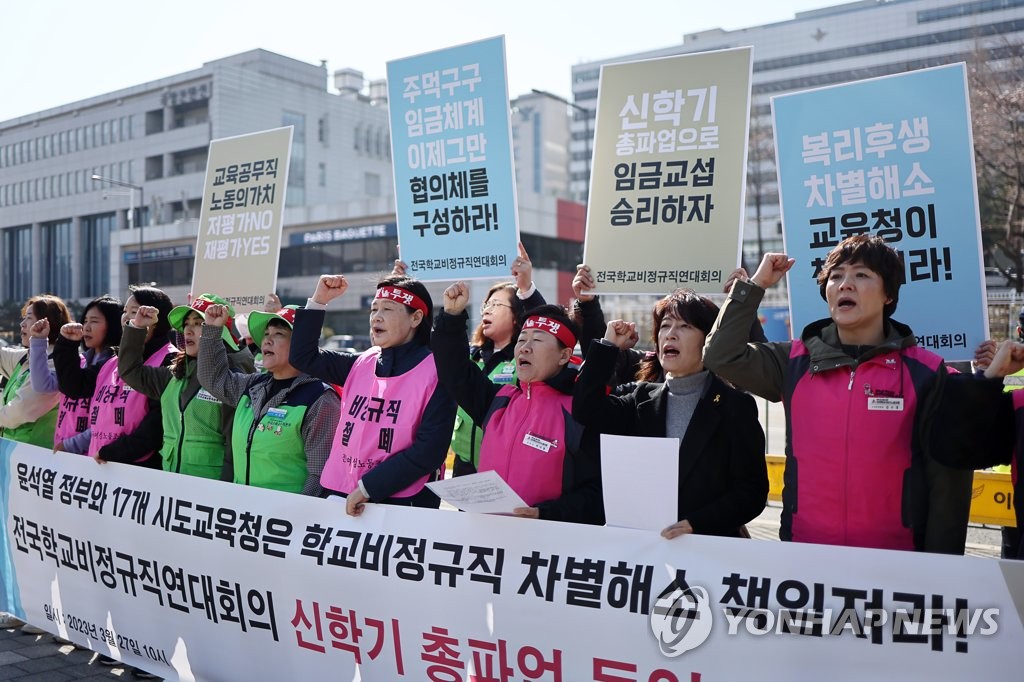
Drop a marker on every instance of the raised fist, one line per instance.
(73, 331)
(456, 298)
(329, 287)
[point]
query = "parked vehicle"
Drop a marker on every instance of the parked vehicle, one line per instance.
(348, 343)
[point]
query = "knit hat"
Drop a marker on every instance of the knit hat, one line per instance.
(199, 304)
(258, 321)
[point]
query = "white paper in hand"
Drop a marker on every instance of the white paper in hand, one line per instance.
(486, 493)
(640, 477)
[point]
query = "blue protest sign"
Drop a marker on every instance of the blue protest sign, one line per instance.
(452, 157)
(889, 157)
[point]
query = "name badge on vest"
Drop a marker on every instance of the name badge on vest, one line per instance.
(505, 375)
(877, 404)
(277, 413)
(538, 443)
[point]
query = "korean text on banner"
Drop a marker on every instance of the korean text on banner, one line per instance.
(451, 147)
(889, 157)
(240, 223)
(198, 579)
(669, 172)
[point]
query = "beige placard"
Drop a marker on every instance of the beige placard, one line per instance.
(240, 223)
(669, 173)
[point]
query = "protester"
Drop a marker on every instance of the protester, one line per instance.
(28, 415)
(125, 425)
(586, 311)
(989, 426)
(723, 478)
(196, 425)
(396, 420)
(271, 304)
(284, 419)
(855, 388)
(529, 438)
(491, 348)
(101, 331)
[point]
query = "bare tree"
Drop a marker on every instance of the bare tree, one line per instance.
(995, 75)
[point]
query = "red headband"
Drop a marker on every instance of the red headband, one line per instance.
(288, 314)
(404, 297)
(201, 303)
(553, 327)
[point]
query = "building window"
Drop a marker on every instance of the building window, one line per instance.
(297, 166)
(154, 167)
(96, 246)
(56, 259)
(190, 114)
(557, 254)
(154, 121)
(166, 273)
(189, 161)
(372, 181)
(321, 176)
(18, 267)
(369, 255)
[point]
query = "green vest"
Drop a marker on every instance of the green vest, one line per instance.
(193, 442)
(269, 453)
(466, 437)
(39, 432)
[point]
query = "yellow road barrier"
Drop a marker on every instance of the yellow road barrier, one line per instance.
(992, 501)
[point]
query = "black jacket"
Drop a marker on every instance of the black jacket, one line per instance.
(723, 478)
(76, 381)
(580, 501)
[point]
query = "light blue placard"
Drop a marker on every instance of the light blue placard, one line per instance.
(452, 157)
(832, 143)
(10, 597)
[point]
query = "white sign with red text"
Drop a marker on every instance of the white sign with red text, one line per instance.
(198, 579)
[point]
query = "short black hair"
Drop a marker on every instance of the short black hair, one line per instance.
(151, 296)
(110, 308)
(688, 306)
(874, 253)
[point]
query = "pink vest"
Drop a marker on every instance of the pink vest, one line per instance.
(72, 417)
(525, 441)
(373, 425)
(851, 461)
(116, 407)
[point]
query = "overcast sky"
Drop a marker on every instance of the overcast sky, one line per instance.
(58, 51)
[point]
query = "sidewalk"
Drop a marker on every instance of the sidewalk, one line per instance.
(38, 658)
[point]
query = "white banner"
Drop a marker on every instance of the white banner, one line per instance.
(202, 580)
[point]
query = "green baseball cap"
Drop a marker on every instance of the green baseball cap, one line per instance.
(199, 304)
(258, 321)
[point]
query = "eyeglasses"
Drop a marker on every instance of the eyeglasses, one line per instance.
(491, 304)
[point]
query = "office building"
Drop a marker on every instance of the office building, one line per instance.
(817, 48)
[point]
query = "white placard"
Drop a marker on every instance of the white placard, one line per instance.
(640, 480)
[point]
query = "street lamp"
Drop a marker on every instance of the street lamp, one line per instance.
(131, 209)
(586, 122)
